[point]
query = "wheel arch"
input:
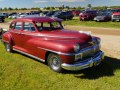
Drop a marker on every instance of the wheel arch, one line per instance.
(7, 38)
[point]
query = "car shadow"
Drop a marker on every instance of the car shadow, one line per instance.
(106, 68)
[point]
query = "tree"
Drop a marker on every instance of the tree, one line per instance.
(89, 6)
(5, 8)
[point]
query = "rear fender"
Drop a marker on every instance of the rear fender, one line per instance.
(7, 38)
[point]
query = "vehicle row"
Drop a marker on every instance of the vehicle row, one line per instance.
(101, 15)
(86, 15)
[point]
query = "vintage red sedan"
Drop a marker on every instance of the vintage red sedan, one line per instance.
(45, 39)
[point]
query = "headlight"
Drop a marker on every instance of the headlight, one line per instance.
(76, 47)
(98, 40)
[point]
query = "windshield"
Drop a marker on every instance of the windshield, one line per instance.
(49, 25)
(103, 13)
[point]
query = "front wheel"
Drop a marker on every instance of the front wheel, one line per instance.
(54, 62)
(8, 47)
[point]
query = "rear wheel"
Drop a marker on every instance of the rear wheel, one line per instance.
(8, 47)
(54, 62)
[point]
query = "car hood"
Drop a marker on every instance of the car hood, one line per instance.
(66, 35)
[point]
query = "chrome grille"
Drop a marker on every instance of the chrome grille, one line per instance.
(116, 16)
(87, 52)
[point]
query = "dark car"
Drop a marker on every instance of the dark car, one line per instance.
(2, 18)
(49, 14)
(115, 10)
(88, 15)
(103, 16)
(64, 15)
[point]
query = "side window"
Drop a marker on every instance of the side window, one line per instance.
(12, 26)
(28, 26)
(18, 26)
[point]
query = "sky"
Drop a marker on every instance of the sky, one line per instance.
(55, 3)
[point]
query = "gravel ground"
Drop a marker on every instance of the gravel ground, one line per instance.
(110, 38)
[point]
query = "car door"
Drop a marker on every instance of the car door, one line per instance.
(28, 35)
(15, 30)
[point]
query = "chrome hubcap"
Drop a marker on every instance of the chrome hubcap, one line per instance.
(55, 62)
(7, 47)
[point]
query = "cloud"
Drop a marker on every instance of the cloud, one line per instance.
(44, 1)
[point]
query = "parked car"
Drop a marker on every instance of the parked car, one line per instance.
(88, 15)
(13, 16)
(103, 16)
(2, 18)
(49, 14)
(2, 31)
(4, 14)
(76, 12)
(115, 10)
(63, 15)
(45, 39)
(28, 15)
(116, 16)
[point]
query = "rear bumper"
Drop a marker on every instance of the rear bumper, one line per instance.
(93, 61)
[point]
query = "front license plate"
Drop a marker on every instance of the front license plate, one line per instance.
(91, 64)
(117, 20)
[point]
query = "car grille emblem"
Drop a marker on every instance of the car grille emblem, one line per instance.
(92, 43)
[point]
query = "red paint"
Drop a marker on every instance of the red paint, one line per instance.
(38, 43)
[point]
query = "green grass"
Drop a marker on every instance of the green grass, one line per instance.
(77, 22)
(19, 72)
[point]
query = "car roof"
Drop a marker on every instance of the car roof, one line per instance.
(38, 19)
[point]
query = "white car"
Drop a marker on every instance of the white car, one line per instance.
(28, 15)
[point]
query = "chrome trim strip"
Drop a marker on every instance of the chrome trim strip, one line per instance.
(71, 54)
(29, 55)
(93, 61)
(55, 51)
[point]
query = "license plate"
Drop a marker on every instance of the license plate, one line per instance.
(117, 20)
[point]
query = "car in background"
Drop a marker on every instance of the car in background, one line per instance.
(115, 10)
(13, 15)
(103, 16)
(51, 13)
(4, 14)
(28, 14)
(87, 15)
(116, 16)
(2, 18)
(45, 39)
(76, 12)
(64, 15)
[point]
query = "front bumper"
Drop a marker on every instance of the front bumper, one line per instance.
(93, 61)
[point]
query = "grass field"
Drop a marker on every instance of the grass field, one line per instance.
(77, 22)
(19, 72)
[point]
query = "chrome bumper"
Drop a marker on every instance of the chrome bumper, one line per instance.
(93, 61)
